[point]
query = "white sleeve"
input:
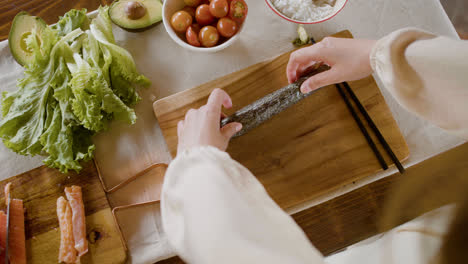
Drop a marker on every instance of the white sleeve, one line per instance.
(215, 211)
(427, 74)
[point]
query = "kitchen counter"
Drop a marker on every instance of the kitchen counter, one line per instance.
(124, 150)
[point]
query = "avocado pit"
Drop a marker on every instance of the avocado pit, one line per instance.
(23, 44)
(135, 10)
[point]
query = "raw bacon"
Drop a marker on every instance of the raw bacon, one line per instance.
(75, 200)
(67, 251)
(17, 239)
(3, 222)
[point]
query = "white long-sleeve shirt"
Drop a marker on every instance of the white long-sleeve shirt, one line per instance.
(215, 211)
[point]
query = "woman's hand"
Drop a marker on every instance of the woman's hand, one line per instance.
(201, 127)
(348, 58)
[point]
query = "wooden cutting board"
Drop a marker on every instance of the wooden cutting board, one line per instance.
(307, 150)
(39, 190)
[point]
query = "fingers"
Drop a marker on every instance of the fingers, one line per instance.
(320, 80)
(301, 60)
(231, 129)
(180, 127)
(190, 113)
(217, 99)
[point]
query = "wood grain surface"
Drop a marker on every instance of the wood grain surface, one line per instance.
(39, 189)
(307, 150)
(49, 10)
(354, 216)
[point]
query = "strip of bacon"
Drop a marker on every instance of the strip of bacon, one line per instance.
(75, 198)
(67, 251)
(17, 239)
(3, 222)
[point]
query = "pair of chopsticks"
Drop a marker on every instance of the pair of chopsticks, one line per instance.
(370, 123)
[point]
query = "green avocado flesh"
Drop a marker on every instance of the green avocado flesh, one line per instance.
(22, 27)
(118, 13)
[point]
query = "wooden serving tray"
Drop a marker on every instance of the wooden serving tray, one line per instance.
(307, 150)
(39, 190)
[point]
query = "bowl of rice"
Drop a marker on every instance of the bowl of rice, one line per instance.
(306, 11)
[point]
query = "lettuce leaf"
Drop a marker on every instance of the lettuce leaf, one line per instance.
(65, 143)
(72, 20)
(79, 82)
(122, 61)
(25, 110)
(41, 49)
(94, 100)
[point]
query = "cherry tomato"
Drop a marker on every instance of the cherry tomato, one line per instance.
(192, 2)
(238, 11)
(190, 10)
(208, 36)
(192, 35)
(203, 15)
(227, 27)
(219, 8)
(196, 27)
(181, 20)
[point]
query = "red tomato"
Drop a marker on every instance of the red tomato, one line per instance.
(190, 10)
(208, 36)
(181, 20)
(192, 35)
(219, 8)
(196, 27)
(203, 15)
(192, 2)
(238, 11)
(227, 27)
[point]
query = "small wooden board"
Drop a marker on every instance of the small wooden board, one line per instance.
(39, 190)
(307, 150)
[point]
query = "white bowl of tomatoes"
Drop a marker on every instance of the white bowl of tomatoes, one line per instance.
(204, 25)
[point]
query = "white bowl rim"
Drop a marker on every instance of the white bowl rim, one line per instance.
(182, 43)
(276, 11)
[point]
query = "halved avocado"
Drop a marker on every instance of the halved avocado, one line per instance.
(22, 26)
(135, 14)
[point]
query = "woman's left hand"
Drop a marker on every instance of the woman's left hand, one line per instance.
(201, 127)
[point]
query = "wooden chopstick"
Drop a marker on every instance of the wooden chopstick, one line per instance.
(363, 129)
(371, 124)
(374, 128)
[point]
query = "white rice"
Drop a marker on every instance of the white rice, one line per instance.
(305, 10)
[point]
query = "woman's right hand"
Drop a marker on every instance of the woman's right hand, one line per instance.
(348, 58)
(201, 126)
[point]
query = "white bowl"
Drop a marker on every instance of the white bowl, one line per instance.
(172, 6)
(340, 4)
